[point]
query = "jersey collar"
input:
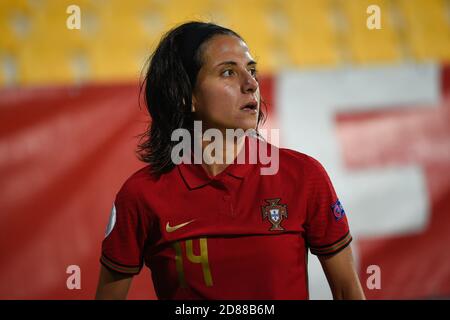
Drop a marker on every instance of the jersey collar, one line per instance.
(195, 176)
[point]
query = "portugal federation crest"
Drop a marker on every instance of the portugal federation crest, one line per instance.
(275, 212)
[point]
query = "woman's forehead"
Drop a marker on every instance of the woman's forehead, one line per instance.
(226, 48)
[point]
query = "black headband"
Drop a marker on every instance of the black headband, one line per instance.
(192, 38)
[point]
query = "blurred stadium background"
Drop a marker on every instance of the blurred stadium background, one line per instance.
(372, 105)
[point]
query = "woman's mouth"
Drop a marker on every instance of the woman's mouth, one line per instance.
(251, 107)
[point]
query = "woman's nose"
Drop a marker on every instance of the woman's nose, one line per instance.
(250, 84)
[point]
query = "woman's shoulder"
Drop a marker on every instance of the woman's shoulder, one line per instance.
(297, 159)
(139, 180)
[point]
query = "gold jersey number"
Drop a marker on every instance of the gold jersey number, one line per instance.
(202, 259)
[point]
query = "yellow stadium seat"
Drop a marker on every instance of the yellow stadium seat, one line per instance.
(366, 45)
(251, 19)
(177, 12)
(38, 64)
(117, 37)
(5, 78)
(121, 43)
(110, 63)
(310, 39)
(15, 25)
(427, 31)
(49, 53)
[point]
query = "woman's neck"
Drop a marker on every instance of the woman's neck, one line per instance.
(215, 159)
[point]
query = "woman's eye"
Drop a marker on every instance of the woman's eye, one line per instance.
(227, 72)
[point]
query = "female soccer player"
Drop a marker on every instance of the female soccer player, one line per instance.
(220, 229)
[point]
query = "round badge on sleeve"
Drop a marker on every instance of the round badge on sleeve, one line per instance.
(112, 221)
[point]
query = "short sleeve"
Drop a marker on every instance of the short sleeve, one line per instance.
(327, 230)
(126, 234)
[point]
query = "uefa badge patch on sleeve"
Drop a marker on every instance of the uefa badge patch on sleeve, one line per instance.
(338, 210)
(112, 221)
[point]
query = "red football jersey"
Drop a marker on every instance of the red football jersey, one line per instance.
(238, 235)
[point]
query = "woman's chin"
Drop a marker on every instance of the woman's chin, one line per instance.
(245, 124)
(250, 125)
(241, 124)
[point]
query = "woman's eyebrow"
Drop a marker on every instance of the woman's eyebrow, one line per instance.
(233, 63)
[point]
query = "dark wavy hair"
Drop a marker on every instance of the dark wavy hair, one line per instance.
(169, 82)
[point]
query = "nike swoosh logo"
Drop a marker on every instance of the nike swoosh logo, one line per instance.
(178, 226)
